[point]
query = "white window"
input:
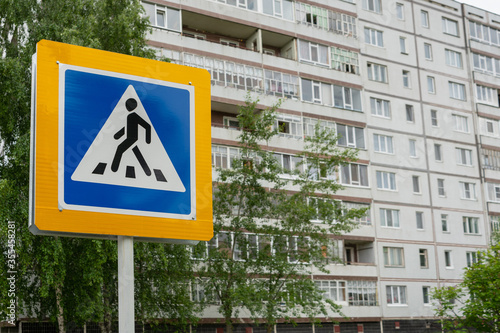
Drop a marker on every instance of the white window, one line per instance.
(486, 64)
(223, 156)
(413, 148)
(354, 174)
(386, 180)
(460, 123)
(383, 144)
(347, 98)
(464, 156)
(426, 292)
(440, 186)
(453, 58)
(288, 126)
(410, 114)
(484, 33)
(289, 163)
(450, 27)
(400, 11)
(493, 192)
(416, 184)
(428, 51)
(231, 122)
(377, 72)
(350, 136)
(374, 37)
(380, 107)
(393, 257)
(372, 5)
(163, 17)
(344, 60)
(486, 95)
(457, 90)
(424, 18)
(431, 85)
(312, 52)
(423, 258)
(468, 191)
(434, 119)
(334, 290)
(437, 152)
(324, 125)
(471, 257)
(406, 79)
(396, 295)
(447, 259)
(280, 8)
(389, 218)
(419, 216)
(402, 45)
(471, 225)
(444, 223)
(364, 220)
(317, 92)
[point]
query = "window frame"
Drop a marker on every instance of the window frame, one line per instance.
(376, 6)
(431, 85)
(453, 58)
(380, 107)
(398, 295)
(424, 18)
(470, 225)
(457, 91)
(386, 180)
(374, 37)
(394, 218)
(423, 258)
(393, 256)
(377, 72)
(450, 27)
(406, 79)
(428, 51)
(383, 144)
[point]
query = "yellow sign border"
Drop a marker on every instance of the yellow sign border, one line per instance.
(46, 217)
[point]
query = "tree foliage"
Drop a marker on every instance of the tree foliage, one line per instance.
(69, 280)
(266, 247)
(474, 304)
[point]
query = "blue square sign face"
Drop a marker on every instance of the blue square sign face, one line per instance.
(126, 144)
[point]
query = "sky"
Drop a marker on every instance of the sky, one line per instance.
(489, 5)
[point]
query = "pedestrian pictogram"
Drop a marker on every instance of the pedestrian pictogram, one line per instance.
(132, 156)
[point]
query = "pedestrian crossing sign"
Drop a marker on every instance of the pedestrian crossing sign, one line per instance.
(131, 141)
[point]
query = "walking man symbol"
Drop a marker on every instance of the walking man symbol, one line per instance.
(131, 130)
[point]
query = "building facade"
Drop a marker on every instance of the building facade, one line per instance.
(412, 84)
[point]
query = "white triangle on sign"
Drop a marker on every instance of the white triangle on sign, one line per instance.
(96, 164)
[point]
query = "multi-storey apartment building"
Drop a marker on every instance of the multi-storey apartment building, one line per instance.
(412, 84)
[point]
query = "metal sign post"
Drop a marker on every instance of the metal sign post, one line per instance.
(126, 316)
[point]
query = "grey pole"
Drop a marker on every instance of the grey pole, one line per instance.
(126, 317)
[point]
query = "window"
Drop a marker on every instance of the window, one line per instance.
(431, 85)
(413, 148)
(428, 51)
(374, 37)
(467, 191)
(354, 174)
(364, 220)
(416, 184)
(386, 180)
(406, 79)
(350, 136)
(163, 17)
(383, 143)
(347, 98)
(334, 290)
(312, 52)
(362, 293)
(457, 90)
(450, 27)
(344, 60)
(324, 125)
(444, 223)
(231, 122)
(471, 225)
(222, 156)
(377, 72)
(380, 107)
(389, 218)
(453, 58)
(437, 152)
(410, 114)
(393, 257)
(493, 192)
(372, 5)
(471, 257)
(283, 8)
(400, 11)
(278, 84)
(440, 185)
(484, 33)
(288, 126)
(402, 45)
(426, 291)
(424, 261)
(486, 64)
(490, 126)
(486, 95)
(419, 216)
(464, 156)
(434, 119)
(396, 295)
(460, 123)
(424, 18)
(447, 259)
(289, 163)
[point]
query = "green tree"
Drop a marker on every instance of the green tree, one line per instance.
(70, 280)
(265, 246)
(474, 304)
